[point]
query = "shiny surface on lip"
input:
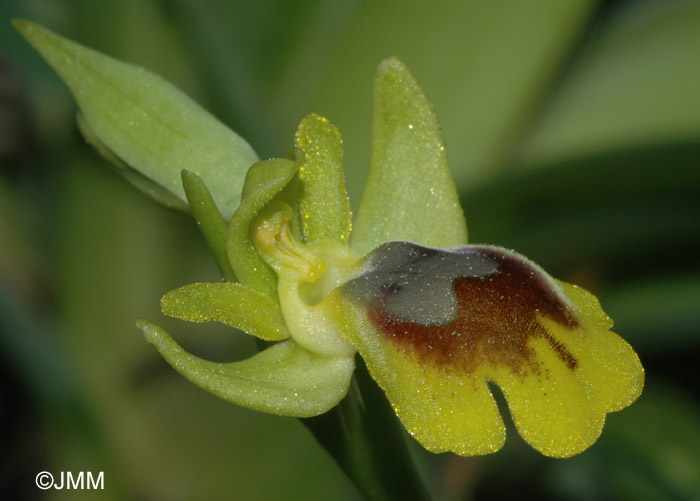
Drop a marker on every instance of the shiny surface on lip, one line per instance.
(464, 307)
(414, 283)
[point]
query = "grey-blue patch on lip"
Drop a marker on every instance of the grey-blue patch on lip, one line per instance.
(415, 283)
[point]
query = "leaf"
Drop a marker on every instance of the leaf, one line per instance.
(636, 83)
(285, 379)
(623, 209)
(235, 305)
(409, 194)
(485, 65)
(323, 201)
(264, 180)
(145, 121)
(653, 450)
(648, 306)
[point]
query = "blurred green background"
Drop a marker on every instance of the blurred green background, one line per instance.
(573, 131)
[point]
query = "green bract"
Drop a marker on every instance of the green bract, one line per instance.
(433, 318)
(153, 128)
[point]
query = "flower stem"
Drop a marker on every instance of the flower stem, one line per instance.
(364, 437)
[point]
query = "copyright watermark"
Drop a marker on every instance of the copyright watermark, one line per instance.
(83, 480)
(44, 480)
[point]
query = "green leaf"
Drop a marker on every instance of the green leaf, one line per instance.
(636, 83)
(409, 193)
(209, 220)
(485, 65)
(647, 306)
(235, 305)
(323, 201)
(145, 121)
(285, 379)
(653, 450)
(264, 180)
(617, 211)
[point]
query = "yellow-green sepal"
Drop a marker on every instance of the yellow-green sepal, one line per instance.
(145, 121)
(409, 194)
(235, 305)
(263, 182)
(285, 379)
(323, 200)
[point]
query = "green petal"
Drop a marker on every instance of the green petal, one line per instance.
(409, 194)
(145, 121)
(285, 379)
(323, 202)
(232, 304)
(209, 220)
(264, 180)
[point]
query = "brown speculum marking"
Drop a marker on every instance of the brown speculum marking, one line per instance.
(489, 298)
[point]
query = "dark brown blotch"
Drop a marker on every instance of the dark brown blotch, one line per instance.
(496, 317)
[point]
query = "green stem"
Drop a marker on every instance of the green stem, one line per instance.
(365, 438)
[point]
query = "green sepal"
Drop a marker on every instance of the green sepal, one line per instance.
(209, 220)
(323, 200)
(409, 194)
(264, 180)
(235, 305)
(153, 190)
(285, 379)
(145, 121)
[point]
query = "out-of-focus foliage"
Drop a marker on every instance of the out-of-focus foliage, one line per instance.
(573, 131)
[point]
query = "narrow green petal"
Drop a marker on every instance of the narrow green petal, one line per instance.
(232, 304)
(409, 194)
(145, 121)
(264, 180)
(285, 379)
(209, 220)
(323, 202)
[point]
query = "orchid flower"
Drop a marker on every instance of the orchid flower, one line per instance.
(439, 322)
